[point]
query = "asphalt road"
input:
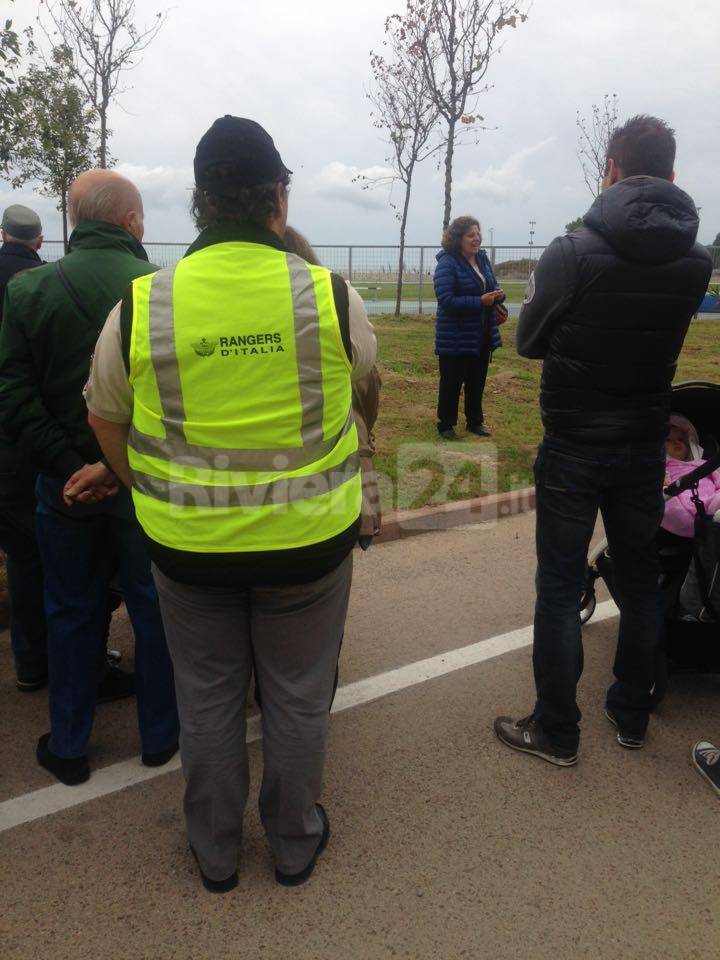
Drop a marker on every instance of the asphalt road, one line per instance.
(445, 844)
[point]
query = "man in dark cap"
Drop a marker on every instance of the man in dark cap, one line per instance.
(231, 419)
(22, 238)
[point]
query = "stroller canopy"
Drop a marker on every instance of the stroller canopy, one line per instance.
(699, 401)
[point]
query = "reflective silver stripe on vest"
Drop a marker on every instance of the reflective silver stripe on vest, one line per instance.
(167, 374)
(223, 458)
(164, 355)
(307, 340)
(286, 490)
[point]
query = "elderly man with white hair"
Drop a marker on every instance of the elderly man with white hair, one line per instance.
(86, 525)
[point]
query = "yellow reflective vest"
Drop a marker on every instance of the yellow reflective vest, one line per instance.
(243, 437)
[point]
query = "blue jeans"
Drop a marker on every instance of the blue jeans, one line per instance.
(82, 547)
(573, 482)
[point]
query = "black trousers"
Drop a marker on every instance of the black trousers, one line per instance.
(458, 371)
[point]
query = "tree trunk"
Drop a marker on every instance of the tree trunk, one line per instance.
(403, 224)
(63, 209)
(448, 172)
(103, 136)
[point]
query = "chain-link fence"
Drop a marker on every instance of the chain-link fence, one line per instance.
(374, 270)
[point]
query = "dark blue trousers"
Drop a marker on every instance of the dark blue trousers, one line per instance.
(82, 547)
(573, 482)
(28, 634)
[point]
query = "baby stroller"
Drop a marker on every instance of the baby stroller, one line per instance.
(685, 564)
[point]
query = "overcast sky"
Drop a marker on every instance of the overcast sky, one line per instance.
(302, 70)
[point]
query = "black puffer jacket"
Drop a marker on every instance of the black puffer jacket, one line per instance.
(608, 309)
(14, 257)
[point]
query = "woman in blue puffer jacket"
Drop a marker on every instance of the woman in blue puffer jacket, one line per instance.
(469, 312)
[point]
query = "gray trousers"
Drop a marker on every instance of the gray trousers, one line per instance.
(291, 635)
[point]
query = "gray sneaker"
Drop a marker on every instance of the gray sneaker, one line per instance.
(631, 741)
(527, 736)
(706, 757)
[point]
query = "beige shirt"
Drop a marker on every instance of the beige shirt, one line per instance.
(108, 392)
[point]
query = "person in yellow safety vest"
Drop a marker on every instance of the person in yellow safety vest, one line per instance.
(221, 395)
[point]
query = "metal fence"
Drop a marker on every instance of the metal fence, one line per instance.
(374, 269)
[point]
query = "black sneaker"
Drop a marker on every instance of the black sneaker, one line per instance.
(527, 736)
(449, 434)
(160, 758)
(115, 685)
(31, 684)
(216, 886)
(706, 757)
(71, 771)
(479, 430)
(631, 741)
(295, 879)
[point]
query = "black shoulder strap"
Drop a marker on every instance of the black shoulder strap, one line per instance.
(72, 293)
(342, 307)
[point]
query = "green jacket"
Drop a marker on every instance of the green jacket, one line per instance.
(46, 345)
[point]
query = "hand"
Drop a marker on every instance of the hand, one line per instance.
(501, 314)
(490, 298)
(90, 484)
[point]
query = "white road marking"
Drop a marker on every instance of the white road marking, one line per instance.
(54, 799)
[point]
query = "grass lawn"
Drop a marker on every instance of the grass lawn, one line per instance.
(417, 469)
(383, 290)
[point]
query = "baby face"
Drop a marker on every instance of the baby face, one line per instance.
(676, 446)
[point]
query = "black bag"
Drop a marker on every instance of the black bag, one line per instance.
(700, 594)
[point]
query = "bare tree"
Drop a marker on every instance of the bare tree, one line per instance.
(406, 113)
(104, 42)
(454, 41)
(593, 137)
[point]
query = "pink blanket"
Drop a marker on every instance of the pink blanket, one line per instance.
(680, 511)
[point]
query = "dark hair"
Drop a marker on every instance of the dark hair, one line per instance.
(644, 146)
(453, 234)
(296, 243)
(255, 205)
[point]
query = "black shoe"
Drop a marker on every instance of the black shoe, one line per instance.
(706, 757)
(631, 741)
(216, 886)
(295, 879)
(115, 685)
(68, 771)
(449, 434)
(479, 430)
(527, 736)
(161, 757)
(30, 684)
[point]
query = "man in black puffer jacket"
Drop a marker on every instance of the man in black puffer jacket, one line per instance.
(607, 310)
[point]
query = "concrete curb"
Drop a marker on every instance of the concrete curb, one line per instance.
(411, 523)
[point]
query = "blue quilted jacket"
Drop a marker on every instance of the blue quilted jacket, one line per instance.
(462, 322)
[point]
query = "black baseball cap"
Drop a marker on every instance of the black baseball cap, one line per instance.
(243, 150)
